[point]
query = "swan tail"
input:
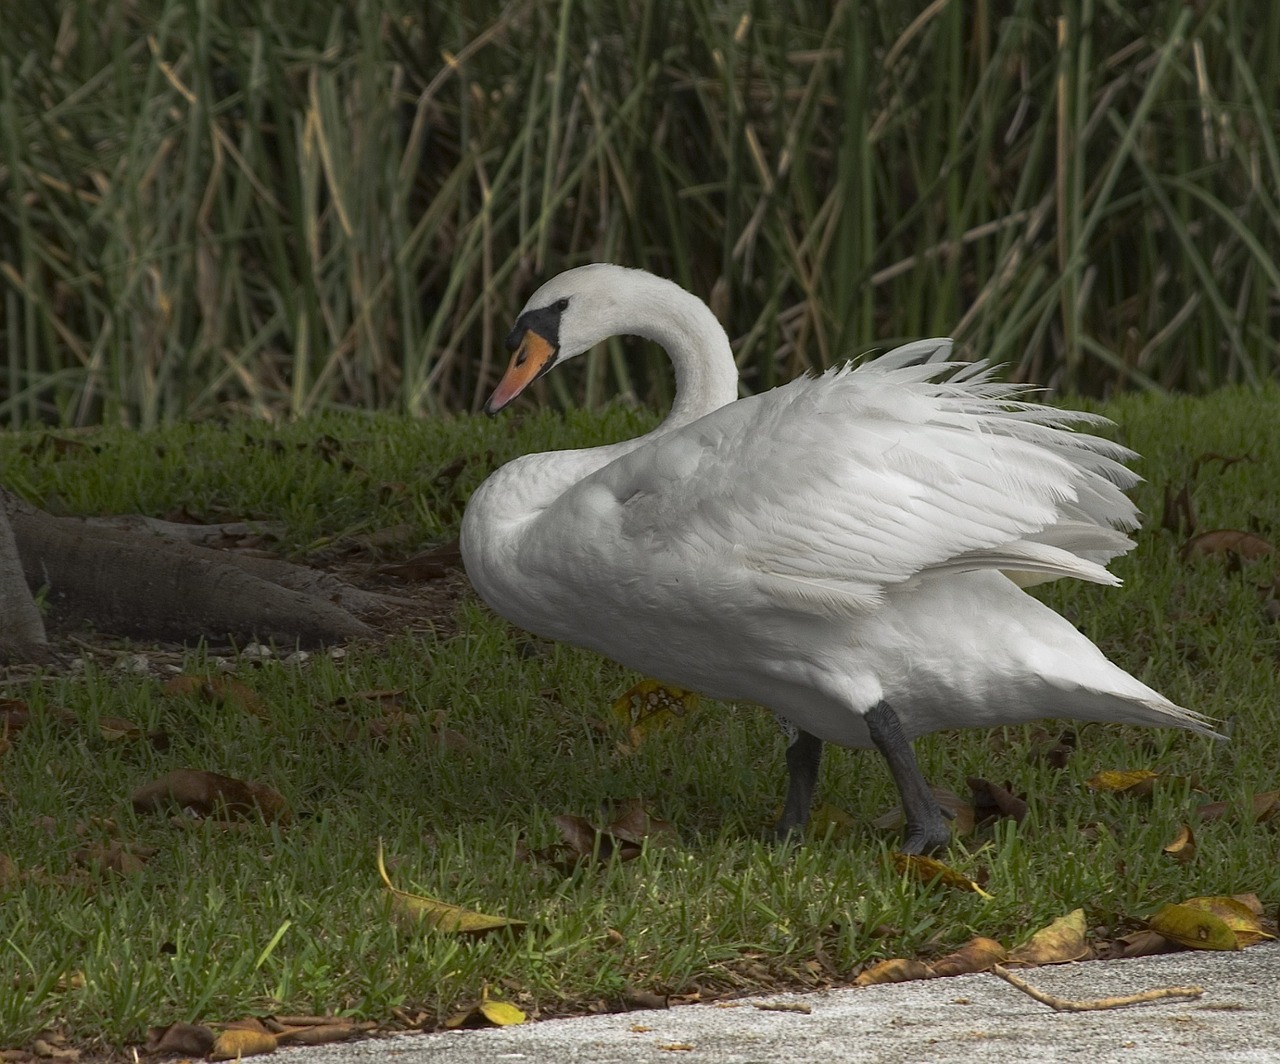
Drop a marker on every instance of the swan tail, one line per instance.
(1151, 709)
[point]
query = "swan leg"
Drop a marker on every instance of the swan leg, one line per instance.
(804, 755)
(927, 829)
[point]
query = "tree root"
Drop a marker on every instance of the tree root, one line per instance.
(138, 579)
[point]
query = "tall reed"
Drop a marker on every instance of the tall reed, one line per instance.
(278, 208)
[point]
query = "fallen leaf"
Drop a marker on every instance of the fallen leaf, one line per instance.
(991, 801)
(1136, 783)
(237, 1042)
(113, 729)
(218, 690)
(676, 1047)
(976, 955)
(441, 915)
(1144, 943)
(1179, 510)
(928, 870)
(827, 821)
(1061, 941)
(649, 707)
(428, 565)
(1193, 928)
(113, 857)
(634, 823)
(44, 1047)
(209, 794)
(487, 1012)
(1262, 806)
(9, 875)
(961, 820)
(1183, 848)
(319, 1034)
(1246, 545)
(1238, 915)
(181, 1039)
(896, 970)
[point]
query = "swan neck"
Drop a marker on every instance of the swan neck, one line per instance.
(697, 345)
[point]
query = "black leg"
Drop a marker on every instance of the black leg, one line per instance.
(926, 827)
(804, 755)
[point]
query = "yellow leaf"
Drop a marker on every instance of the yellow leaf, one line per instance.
(239, 1042)
(441, 915)
(650, 707)
(497, 1013)
(1136, 782)
(1194, 928)
(897, 970)
(927, 870)
(1238, 916)
(1059, 942)
(1183, 848)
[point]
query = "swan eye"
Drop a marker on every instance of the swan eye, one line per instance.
(562, 304)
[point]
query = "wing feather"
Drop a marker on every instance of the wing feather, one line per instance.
(832, 490)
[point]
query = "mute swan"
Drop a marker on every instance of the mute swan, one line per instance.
(838, 549)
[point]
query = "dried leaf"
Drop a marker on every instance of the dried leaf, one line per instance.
(828, 821)
(1183, 848)
(441, 915)
(239, 1042)
(1246, 545)
(113, 857)
(15, 715)
(976, 955)
(928, 870)
(1143, 944)
(635, 824)
(318, 1034)
(181, 1039)
(897, 970)
(114, 729)
(209, 794)
(990, 800)
(9, 875)
(1238, 915)
(45, 1048)
(962, 817)
(650, 707)
(1193, 928)
(218, 690)
(1136, 783)
(428, 565)
(1179, 510)
(1263, 807)
(1059, 942)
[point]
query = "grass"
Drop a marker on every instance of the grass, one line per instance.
(300, 211)
(291, 918)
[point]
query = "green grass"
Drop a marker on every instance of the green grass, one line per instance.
(291, 918)
(285, 209)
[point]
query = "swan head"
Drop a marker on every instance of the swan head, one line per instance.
(568, 315)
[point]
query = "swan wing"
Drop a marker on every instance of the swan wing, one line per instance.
(831, 490)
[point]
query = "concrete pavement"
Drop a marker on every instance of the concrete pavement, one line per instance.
(969, 1019)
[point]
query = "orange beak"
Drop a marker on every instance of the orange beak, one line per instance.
(532, 357)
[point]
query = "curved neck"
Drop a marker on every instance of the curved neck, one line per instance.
(705, 371)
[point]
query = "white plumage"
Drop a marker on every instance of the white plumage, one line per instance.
(839, 549)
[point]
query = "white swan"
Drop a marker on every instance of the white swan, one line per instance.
(834, 549)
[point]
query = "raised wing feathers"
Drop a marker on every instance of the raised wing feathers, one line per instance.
(831, 490)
